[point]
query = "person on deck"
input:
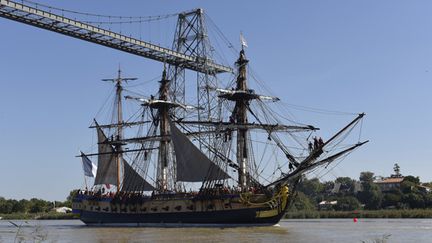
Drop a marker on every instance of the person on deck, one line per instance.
(320, 142)
(315, 145)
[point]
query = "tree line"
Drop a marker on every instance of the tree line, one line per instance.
(34, 205)
(362, 194)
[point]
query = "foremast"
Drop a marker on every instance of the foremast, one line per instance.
(119, 126)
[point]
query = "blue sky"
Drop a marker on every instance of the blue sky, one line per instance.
(354, 56)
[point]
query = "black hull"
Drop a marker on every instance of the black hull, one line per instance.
(226, 217)
(177, 210)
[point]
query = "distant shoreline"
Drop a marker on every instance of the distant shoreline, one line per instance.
(391, 213)
(38, 216)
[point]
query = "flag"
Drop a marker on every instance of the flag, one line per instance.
(243, 40)
(88, 166)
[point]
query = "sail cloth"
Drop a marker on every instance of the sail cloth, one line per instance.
(107, 168)
(133, 181)
(88, 166)
(107, 163)
(192, 164)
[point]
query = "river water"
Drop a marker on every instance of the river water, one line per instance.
(308, 230)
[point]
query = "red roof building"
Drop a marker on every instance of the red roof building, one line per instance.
(390, 183)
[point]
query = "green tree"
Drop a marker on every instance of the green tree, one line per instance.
(371, 195)
(68, 202)
(302, 202)
(312, 188)
(22, 206)
(408, 186)
(415, 180)
(428, 200)
(5, 206)
(391, 199)
(366, 177)
(414, 200)
(396, 170)
(17, 207)
(347, 185)
(348, 203)
(39, 206)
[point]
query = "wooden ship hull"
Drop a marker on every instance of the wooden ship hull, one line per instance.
(229, 209)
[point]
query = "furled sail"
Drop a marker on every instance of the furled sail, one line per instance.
(107, 164)
(133, 181)
(192, 164)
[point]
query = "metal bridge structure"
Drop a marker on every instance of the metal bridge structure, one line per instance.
(66, 26)
(191, 50)
(191, 38)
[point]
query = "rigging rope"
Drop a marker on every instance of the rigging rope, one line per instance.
(223, 37)
(321, 111)
(361, 129)
(141, 18)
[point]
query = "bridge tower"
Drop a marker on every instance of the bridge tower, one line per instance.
(191, 39)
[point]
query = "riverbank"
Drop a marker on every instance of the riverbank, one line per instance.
(394, 213)
(402, 213)
(38, 216)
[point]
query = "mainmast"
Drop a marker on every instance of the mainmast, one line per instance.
(190, 164)
(163, 111)
(119, 128)
(240, 115)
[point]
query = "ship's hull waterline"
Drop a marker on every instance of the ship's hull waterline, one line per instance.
(233, 218)
(234, 211)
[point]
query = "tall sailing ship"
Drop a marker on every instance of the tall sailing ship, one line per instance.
(196, 152)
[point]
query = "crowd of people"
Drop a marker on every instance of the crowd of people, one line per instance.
(317, 144)
(136, 197)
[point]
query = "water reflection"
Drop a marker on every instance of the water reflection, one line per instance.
(326, 230)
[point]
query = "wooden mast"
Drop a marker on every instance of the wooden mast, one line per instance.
(241, 118)
(164, 132)
(119, 133)
(119, 126)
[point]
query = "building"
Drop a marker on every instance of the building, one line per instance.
(63, 210)
(326, 205)
(390, 183)
(424, 189)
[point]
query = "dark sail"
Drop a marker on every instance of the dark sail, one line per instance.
(107, 168)
(192, 164)
(133, 181)
(107, 164)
